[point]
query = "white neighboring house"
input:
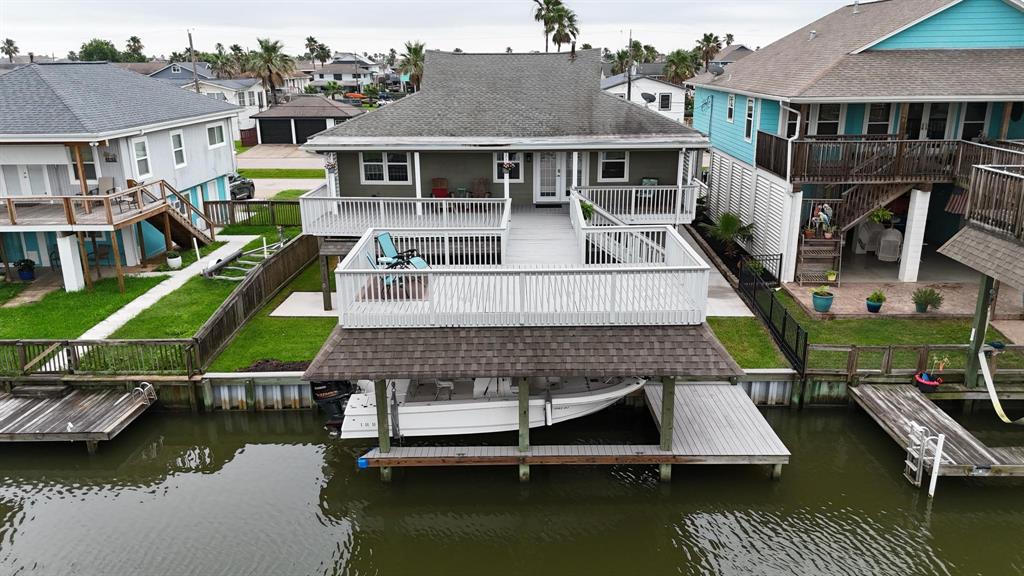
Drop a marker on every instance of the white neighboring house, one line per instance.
(351, 76)
(246, 93)
(297, 82)
(670, 99)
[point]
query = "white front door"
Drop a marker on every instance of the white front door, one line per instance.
(549, 177)
(25, 180)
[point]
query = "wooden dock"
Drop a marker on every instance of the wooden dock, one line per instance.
(894, 406)
(714, 424)
(81, 416)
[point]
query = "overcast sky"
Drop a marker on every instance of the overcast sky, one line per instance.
(57, 26)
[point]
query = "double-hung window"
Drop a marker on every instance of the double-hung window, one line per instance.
(88, 164)
(792, 123)
(730, 110)
(828, 119)
(515, 175)
(384, 168)
(178, 148)
(879, 115)
(215, 135)
(613, 166)
(140, 152)
(748, 127)
(665, 101)
(975, 114)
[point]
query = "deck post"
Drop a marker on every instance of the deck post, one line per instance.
(85, 260)
(978, 328)
(776, 471)
(1004, 129)
(524, 426)
(419, 182)
(91, 445)
(325, 275)
(168, 245)
(668, 404)
(115, 247)
(207, 395)
(380, 392)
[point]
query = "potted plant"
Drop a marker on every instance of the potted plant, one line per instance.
(822, 298)
(875, 300)
(588, 210)
(831, 275)
(173, 260)
(927, 297)
(929, 380)
(809, 231)
(881, 215)
(828, 231)
(26, 269)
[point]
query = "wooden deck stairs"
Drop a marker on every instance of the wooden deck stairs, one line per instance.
(186, 221)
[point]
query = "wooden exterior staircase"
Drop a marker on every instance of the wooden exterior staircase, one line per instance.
(183, 220)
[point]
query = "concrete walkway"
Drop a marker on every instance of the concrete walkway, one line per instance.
(722, 299)
(1012, 329)
(177, 279)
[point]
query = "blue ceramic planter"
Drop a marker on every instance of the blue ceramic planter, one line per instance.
(822, 303)
(873, 307)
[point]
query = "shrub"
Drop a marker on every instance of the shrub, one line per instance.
(928, 297)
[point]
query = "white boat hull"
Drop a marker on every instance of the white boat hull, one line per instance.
(477, 416)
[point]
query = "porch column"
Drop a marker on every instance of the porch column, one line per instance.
(294, 140)
(116, 253)
(917, 219)
(70, 263)
(524, 424)
(130, 245)
(522, 166)
(418, 181)
(575, 170)
(680, 175)
(796, 199)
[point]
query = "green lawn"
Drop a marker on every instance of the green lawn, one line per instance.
(188, 256)
(284, 339)
(9, 290)
(180, 313)
(239, 148)
(63, 314)
(282, 172)
(290, 194)
(748, 342)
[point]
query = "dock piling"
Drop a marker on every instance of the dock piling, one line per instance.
(383, 430)
(524, 426)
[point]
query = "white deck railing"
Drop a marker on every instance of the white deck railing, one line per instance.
(326, 215)
(645, 204)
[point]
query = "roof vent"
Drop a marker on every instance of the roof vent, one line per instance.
(856, 6)
(814, 34)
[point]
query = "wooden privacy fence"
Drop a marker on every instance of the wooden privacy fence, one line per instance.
(103, 357)
(259, 286)
(253, 212)
(851, 362)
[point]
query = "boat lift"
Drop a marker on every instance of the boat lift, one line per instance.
(244, 261)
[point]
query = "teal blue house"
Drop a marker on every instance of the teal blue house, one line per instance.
(888, 103)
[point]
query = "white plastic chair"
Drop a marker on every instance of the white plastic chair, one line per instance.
(868, 234)
(890, 245)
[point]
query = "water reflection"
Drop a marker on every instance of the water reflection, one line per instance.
(266, 494)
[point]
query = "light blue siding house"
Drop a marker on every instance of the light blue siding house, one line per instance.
(886, 103)
(100, 161)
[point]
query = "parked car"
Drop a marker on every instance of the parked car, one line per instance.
(242, 188)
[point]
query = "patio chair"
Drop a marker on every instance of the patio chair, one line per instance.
(868, 235)
(481, 188)
(104, 186)
(890, 245)
(439, 188)
(389, 280)
(391, 254)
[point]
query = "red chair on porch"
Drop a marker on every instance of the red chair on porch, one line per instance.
(439, 188)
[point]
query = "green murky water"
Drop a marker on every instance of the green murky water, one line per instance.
(267, 494)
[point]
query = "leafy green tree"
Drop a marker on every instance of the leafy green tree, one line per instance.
(270, 64)
(99, 49)
(566, 27)
(544, 13)
(371, 90)
(72, 55)
(10, 49)
(411, 62)
(586, 46)
(332, 88)
(310, 89)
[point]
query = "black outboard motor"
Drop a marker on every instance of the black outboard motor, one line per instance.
(332, 397)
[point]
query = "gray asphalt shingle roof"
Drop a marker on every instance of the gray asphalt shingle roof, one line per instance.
(510, 96)
(93, 98)
(793, 66)
(311, 106)
(990, 253)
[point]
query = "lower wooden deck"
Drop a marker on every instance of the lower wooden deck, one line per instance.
(81, 415)
(895, 406)
(713, 424)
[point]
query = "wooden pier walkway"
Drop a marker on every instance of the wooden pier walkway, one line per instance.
(82, 415)
(715, 424)
(894, 406)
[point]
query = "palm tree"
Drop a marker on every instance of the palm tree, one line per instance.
(586, 46)
(566, 27)
(544, 15)
(728, 39)
(411, 62)
(10, 49)
(270, 64)
(222, 65)
(678, 66)
(392, 56)
(332, 88)
(709, 46)
(729, 230)
(650, 53)
(311, 46)
(620, 62)
(133, 48)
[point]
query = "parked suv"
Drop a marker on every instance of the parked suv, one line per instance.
(242, 188)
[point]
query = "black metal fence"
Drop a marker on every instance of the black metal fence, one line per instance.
(757, 284)
(253, 212)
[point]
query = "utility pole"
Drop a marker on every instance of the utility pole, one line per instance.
(192, 51)
(629, 68)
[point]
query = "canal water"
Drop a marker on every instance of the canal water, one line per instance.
(267, 494)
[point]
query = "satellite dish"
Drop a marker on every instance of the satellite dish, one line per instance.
(716, 69)
(648, 97)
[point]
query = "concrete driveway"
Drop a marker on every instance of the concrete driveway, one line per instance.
(278, 156)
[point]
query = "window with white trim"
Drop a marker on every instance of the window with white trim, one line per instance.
(748, 127)
(140, 153)
(613, 166)
(175, 69)
(178, 148)
(828, 121)
(792, 123)
(665, 101)
(516, 174)
(384, 168)
(88, 165)
(730, 109)
(878, 118)
(252, 98)
(215, 135)
(975, 114)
